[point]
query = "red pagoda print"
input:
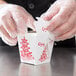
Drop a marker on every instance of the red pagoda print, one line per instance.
(44, 55)
(25, 53)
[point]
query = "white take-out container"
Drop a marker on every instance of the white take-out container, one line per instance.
(36, 48)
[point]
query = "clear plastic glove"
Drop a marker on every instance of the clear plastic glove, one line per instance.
(63, 19)
(13, 20)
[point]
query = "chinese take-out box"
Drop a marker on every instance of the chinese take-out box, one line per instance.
(36, 47)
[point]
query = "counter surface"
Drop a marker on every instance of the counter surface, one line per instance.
(63, 63)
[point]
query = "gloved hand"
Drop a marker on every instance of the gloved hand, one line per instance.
(63, 19)
(14, 20)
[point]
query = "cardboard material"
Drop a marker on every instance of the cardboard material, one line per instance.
(36, 47)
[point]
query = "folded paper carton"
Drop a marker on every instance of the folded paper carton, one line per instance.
(36, 47)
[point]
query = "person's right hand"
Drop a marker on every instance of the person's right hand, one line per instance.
(13, 20)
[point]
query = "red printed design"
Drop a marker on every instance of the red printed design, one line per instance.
(44, 29)
(44, 54)
(25, 53)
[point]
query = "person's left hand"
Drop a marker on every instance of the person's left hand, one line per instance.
(63, 19)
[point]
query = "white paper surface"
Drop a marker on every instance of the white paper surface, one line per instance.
(36, 48)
